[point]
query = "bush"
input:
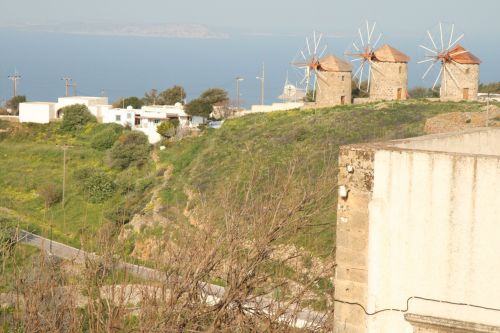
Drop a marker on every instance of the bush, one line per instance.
(125, 211)
(131, 148)
(104, 139)
(166, 129)
(97, 185)
(50, 193)
(76, 117)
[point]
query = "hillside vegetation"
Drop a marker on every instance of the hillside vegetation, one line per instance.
(32, 176)
(251, 207)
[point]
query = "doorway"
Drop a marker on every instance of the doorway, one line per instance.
(466, 93)
(342, 100)
(400, 94)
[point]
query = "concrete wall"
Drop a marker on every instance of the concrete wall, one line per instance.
(275, 107)
(433, 232)
(332, 86)
(467, 76)
(386, 79)
(477, 141)
(420, 223)
(37, 112)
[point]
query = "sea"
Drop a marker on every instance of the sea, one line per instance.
(129, 66)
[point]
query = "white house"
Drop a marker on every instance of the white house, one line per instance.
(37, 112)
(98, 106)
(147, 118)
(44, 112)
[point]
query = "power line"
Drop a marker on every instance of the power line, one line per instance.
(408, 305)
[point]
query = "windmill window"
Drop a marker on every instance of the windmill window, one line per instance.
(118, 117)
(343, 77)
(467, 71)
(400, 69)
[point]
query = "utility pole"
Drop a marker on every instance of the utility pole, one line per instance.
(65, 147)
(14, 78)
(238, 80)
(66, 80)
(74, 88)
(262, 78)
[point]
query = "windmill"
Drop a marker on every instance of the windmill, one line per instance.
(361, 51)
(457, 68)
(308, 61)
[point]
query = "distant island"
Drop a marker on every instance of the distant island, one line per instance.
(165, 30)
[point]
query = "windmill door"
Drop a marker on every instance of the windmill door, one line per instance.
(466, 93)
(400, 93)
(342, 100)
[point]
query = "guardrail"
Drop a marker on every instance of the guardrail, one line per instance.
(212, 293)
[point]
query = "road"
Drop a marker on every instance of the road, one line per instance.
(212, 292)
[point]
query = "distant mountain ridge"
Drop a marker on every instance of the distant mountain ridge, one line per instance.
(165, 30)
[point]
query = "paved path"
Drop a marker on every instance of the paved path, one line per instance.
(212, 292)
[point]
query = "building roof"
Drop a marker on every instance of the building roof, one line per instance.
(462, 56)
(331, 63)
(387, 53)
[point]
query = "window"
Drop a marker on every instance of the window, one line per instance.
(157, 121)
(343, 77)
(400, 69)
(467, 71)
(118, 117)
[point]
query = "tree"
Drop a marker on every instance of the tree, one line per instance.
(199, 107)
(173, 95)
(75, 117)
(131, 148)
(132, 101)
(14, 102)
(214, 96)
(151, 97)
(203, 105)
(357, 92)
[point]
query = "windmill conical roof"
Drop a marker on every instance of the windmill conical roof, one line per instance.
(462, 56)
(387, 53)
(331, 63)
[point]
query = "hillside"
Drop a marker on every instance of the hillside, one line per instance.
(33, 158)
(251, 206)
(272, 158)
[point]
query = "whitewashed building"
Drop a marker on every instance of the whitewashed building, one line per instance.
(37, 112)
(148, 118)
(45, 112)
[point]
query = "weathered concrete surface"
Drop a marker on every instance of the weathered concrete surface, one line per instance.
(428, 324)
(351, 279)
(427, 227)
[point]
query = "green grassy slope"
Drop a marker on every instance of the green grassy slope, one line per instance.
(266, 143)
(31, 156)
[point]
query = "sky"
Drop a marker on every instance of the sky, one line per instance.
(398, 17)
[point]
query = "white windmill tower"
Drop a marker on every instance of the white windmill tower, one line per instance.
(380, 71)
(457, 68)
(307, 60)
